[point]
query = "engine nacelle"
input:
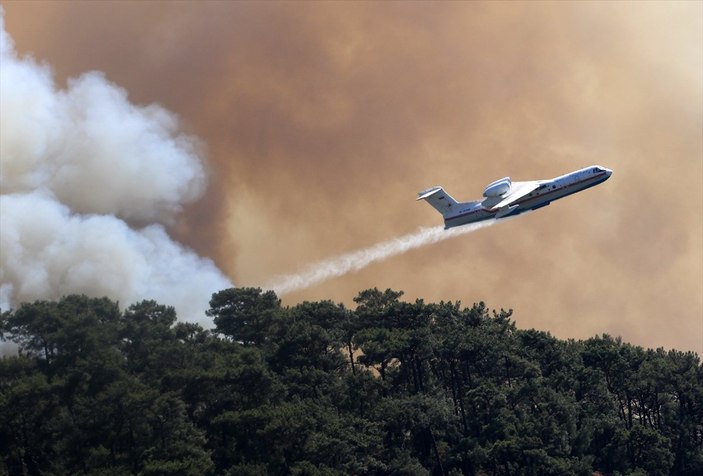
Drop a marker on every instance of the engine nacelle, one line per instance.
(497, 188)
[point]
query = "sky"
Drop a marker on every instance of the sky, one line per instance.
(318, 122)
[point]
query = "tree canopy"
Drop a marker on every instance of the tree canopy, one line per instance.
(388, 388)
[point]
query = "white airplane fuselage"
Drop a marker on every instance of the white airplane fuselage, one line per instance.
(499, 205)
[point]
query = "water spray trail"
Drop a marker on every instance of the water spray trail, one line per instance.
(356, 260)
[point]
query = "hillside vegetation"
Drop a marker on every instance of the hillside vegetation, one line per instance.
(391, 387)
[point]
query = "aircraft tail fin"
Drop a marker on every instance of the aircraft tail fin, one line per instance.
(439, 199)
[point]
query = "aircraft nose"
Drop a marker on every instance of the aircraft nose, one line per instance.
(608, 172)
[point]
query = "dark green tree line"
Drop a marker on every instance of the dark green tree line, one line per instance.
(390, 387)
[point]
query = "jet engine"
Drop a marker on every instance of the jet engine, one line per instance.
(497, 188)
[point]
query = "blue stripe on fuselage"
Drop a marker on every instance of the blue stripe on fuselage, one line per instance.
(561, 192)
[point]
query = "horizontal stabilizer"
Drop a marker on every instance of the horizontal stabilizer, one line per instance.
(426, 193)
(439, 199)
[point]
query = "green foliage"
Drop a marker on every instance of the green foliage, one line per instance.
(388, 388)
(244, 314)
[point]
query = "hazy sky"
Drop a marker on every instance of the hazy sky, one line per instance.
(321, 121)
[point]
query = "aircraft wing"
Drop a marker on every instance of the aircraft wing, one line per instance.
(517, 191)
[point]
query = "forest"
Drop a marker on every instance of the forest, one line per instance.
(387, 388)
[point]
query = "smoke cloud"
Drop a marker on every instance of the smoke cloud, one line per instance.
(354, 261)
(88, 183)
(323, 120)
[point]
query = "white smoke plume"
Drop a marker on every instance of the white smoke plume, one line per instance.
(87, 183)
(356, 260)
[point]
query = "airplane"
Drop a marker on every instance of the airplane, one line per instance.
(505, 198)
